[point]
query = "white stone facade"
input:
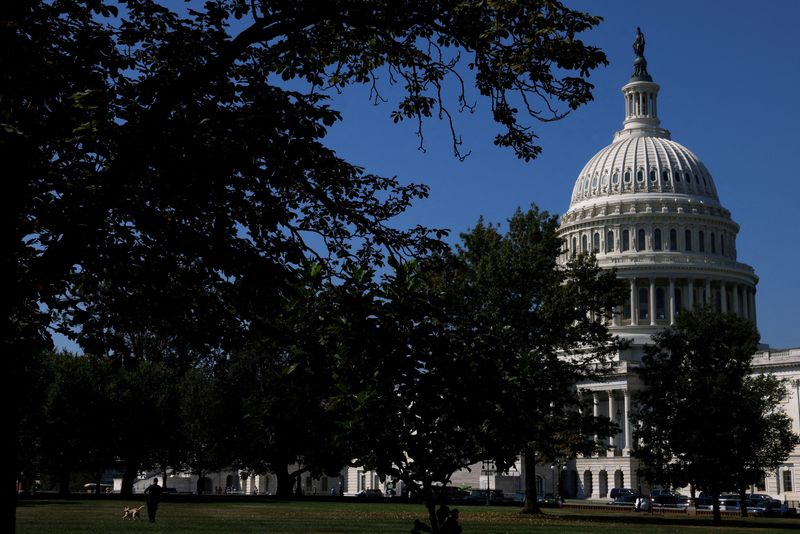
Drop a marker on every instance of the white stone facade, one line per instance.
(648, 207)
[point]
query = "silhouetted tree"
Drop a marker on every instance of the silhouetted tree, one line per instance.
(703, 418)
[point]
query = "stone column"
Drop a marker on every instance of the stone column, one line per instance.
(612, 439)
(796, 384)
(690, 299)
(627, 425)
(652, 301)
(707, 300)
(634, 303)
(723, 301)
(671, 301)
(595, 409)
(745, 303)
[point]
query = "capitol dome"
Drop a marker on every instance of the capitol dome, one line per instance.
(648, 207)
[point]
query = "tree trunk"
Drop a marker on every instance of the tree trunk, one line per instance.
(717, 518)
(531, 505)
(285, 480)
(63, 482)
(164, 471)
(98, 478)
(743, 500)
(430, 505)
(11, 472)
(200, 479)
(129, 477)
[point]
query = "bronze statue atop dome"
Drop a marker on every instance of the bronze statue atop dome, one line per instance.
(640, 63)
(638, 44)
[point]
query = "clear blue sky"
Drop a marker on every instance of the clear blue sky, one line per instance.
(729, 73)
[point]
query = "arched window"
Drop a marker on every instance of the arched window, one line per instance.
(652, 176)
(657, 239)
(661, 311)
(584, 246)
(626, 240)
(701, 241)
(627, 176)
(687, 238)
(665, 176)
(587, 483)
(596, 242)
(615, 178)
(640, 175)
(574, 246)
(722, 244)
(644, 304)
(673, 239)
(677, 177)
(610, 241)
(713, 243)
(640, 245)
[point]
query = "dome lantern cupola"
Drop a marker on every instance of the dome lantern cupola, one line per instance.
(641, 108)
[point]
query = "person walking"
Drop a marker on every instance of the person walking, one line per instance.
(153, 494)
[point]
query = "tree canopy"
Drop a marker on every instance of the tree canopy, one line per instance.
(167, 171)
(703, 418)
(476, 353)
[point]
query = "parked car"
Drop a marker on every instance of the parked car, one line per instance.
(671, 501)
(370, 494)
(627, 499)
(548, 499)
(616, 492)
(480, 497)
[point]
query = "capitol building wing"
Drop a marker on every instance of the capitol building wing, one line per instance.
(648, 207)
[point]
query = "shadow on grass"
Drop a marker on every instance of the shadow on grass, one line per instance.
(648, 519)
(32, 503)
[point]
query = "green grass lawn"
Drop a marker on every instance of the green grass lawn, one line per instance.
(105, 516)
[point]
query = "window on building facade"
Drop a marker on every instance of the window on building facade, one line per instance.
(661, 311)
(584, 246)
(596, 242)
(722, 244)
(574, 246)
(626, 240)
(656, 239)
(644, 304)
(713, 243)
(640, 245)
(687, 239)
(787, 480)
(673, 239)
(610, 241)
(701, 241)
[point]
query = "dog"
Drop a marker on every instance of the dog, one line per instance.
(131, 513)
